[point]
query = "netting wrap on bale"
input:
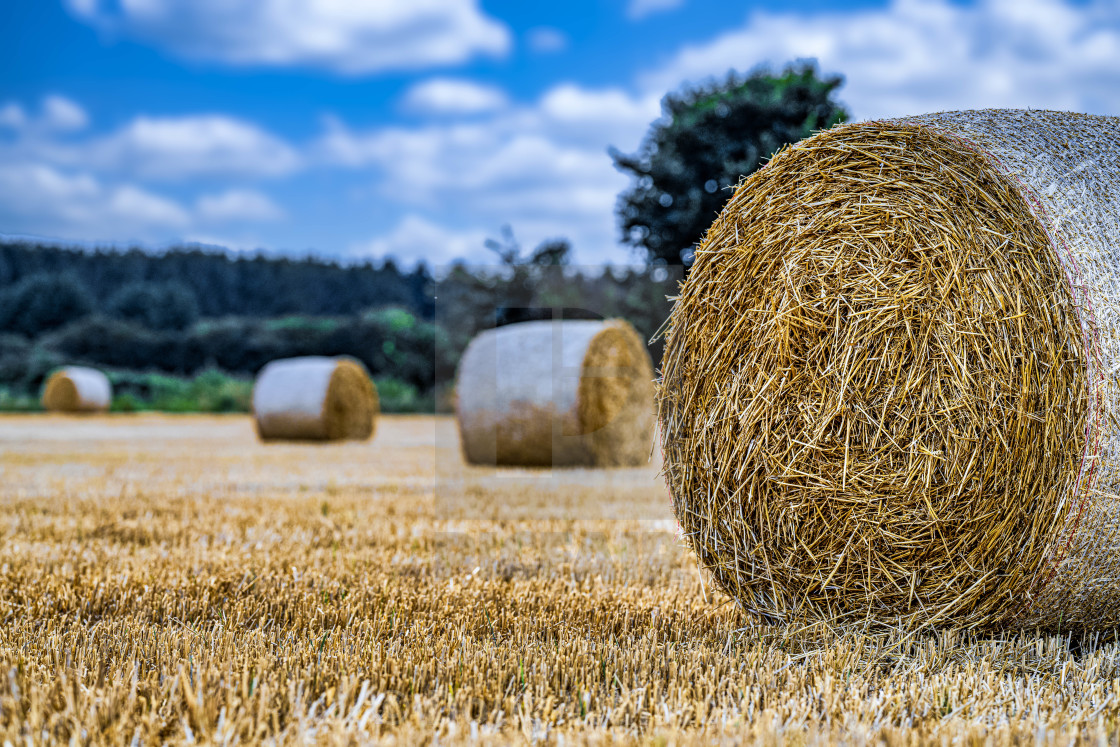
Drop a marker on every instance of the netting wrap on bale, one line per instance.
(890, 387)
(315, 398)
(556, 393)
(77, 389)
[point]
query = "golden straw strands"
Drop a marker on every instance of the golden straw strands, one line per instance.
(888, 387)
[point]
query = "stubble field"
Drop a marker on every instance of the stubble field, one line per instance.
(170, 579)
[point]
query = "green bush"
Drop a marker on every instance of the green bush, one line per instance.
(169, 305)
(127, 402)
(398, 397)
(210, 391)
(17, 401)
(43, 302)
(25, 365)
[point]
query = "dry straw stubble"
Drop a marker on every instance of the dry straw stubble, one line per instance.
(187, 585)
(883, 392)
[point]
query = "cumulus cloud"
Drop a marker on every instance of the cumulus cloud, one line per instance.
(237, 205)
(415, 237)
(174, 148)
(344, 37)
(638, 9)
(85, 186)
(56, 114)
(453, 96)
(545, 39)
(916, 56)
(62, 114)
(602, 116)
(39, 199)
(542, 168)
(12, 116)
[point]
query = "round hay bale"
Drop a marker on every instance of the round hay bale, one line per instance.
(556, 393)
(315, 399)
(77, 389)
(890, 386)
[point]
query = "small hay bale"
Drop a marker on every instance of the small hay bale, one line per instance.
(556, 393)
(315, 399)
(890, 389)
(77, 389)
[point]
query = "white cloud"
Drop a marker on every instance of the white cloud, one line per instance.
(641, 8)
(453, 96)
(545, 39)
(42, 200)
(604, 116)
(237, 205)
(62, 114)
(228, 242)
(185, 147)
(12, 116)
(543, 169)
(39, 199)
(916, 56)
(56, 114)
(161, 148)
(344, 36)
(93, 187)
(415, 238)
(133, 203)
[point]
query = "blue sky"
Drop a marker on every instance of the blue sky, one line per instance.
(416, 128)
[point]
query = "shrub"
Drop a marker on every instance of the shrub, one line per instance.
(398, 396)
(210, 391)
(17, 401)
(43, 302)
(168, 305)
(24, 365)
(109, 342)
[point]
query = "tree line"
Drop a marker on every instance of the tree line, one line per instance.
(223, 284)
(150, 326)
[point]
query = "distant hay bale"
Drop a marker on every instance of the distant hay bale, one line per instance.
(556, 393)
(890, 383)
(316, 399)
(77, 389)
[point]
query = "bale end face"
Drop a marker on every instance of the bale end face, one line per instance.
(315, 399)
(616, 397)
(563, 393)
(77, 389)
(878, 391)
(352, 405)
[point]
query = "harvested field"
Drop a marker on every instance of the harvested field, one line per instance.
(168, 579)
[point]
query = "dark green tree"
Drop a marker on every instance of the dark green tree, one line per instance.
(42, 302)
(707, 138)
(168, 305)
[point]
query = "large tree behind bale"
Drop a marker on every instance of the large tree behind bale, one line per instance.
(315, 399)
(556, 393)
(707, 139)
(890, 383)
(77, 389)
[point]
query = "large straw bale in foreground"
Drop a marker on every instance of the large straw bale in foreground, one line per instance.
(316, 399)
(890, 384)
(557, 393)
(77, 389)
